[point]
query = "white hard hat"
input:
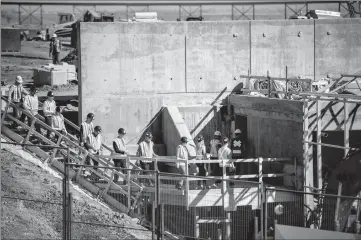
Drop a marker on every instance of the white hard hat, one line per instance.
(238, 131)
(54, 35)
(217, 133)
(19, 79)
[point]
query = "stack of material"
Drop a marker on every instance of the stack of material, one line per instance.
(54, 74)
(145, 17)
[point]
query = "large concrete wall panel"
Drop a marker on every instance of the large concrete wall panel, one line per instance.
(277, 44)
(217, 53)
(338, 46)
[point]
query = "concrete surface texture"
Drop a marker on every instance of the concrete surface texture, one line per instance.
(128, 71)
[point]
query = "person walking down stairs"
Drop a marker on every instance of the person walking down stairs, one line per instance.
(31, 105)
(58, 123)
(182, 154)
(145, 149)
(93, 144)
(16, 96)
(201, 154)
(120, 148)
(49, 107)
(86, 128)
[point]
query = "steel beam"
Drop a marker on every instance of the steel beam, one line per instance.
(242, 13)
(160, 2)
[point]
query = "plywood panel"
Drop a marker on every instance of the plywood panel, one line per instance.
(277, 44)
(338, 46)
(217, 53)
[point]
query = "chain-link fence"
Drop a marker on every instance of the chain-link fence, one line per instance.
(311, 210)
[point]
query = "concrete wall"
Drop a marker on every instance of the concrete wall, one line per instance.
(128, 71)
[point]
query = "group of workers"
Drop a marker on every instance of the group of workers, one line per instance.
(90, 139)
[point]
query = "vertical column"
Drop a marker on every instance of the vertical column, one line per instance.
(41, 16)
(228, 226)
(196, 224)
(319, 147)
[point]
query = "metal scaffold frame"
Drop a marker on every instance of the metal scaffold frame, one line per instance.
(239, 9)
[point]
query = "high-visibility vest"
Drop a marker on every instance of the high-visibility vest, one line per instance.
(87, 129)
(58, 122)
(146, 150)
(200, 151)
(31, 103)
(16, 92)
(49, 107)
(236, 146)
(95, 142)
(120, 144)
(214, 147)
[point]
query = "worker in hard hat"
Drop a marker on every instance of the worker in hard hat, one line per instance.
(93, 144)
(120, 147)
(49, 107)
(145, 149)
(86, 128)
(215, 145)
(201, 155)
(237, 148)
(226, 153)
(58, 123)
(182, 154)
(17, 93)
(31, 105)
(55, 49)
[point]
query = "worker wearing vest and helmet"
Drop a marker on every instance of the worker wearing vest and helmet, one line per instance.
(86, 128)
(93, 144)
(120, 148)
(54, 49)
(201, 155)
(145, 149)
(182, 154)
(215, 145)
(16, 96)
(237, 147)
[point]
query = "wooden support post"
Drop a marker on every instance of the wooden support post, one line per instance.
(269, 84)
(153, 219)
(228, 227)
(224, 182)
(307, 161)
(286, 82)
(55, 150)
(274, 228)
(319, 147)
(346, 145)
(162, 221)
(196, 224)
(128, 184)
(187, 185)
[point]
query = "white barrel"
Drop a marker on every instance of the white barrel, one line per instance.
(146, 15)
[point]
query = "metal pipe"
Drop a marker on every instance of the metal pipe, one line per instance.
(70, 202)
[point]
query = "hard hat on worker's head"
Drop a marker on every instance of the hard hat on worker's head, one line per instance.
(237, 131)
(19, 79)
(121, 131)
(225, 140)
(98, 129)
(90, 116)
(50, 94)
(54, 35)
(184, 139)
(148, 134)
(217, 133)
(200, 138)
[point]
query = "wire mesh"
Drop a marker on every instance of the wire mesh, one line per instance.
(311, 210)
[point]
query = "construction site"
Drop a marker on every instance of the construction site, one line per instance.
(288, 89)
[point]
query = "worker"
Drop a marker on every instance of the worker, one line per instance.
(49, 107)
(237, 149)
(145, 149)
(215, 145)
(226, 153)
(86, 128)
(16, 96)
(182, 154)
(120, 148)
(31, 105)
(93, 144)
(201, 155)
(58, 123)
(54, 49)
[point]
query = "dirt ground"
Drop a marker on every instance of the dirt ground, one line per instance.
(33, 54)
(22, 219)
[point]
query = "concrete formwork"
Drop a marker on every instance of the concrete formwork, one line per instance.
(130, 70)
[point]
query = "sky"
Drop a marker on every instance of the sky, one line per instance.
(10, 14)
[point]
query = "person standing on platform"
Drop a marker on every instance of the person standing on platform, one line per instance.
(215, 145)
(58, 123)
(201, 155)
(93, 144)
(226, 153)
(49, 106)
(55, 49)
(237, 150)
(146, 149)
(16, 96)
(120, 148)
(182, 154)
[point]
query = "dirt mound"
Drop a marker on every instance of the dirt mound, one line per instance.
(41, 218)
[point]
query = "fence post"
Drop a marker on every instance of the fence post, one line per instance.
(157, 193)
(262, 209)
(65, 194)
(265, 214)
(256, 228)
(153, 219)
(162, 221)
(274, 228)
(70, 202)
(196, 224)
(129, 185)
